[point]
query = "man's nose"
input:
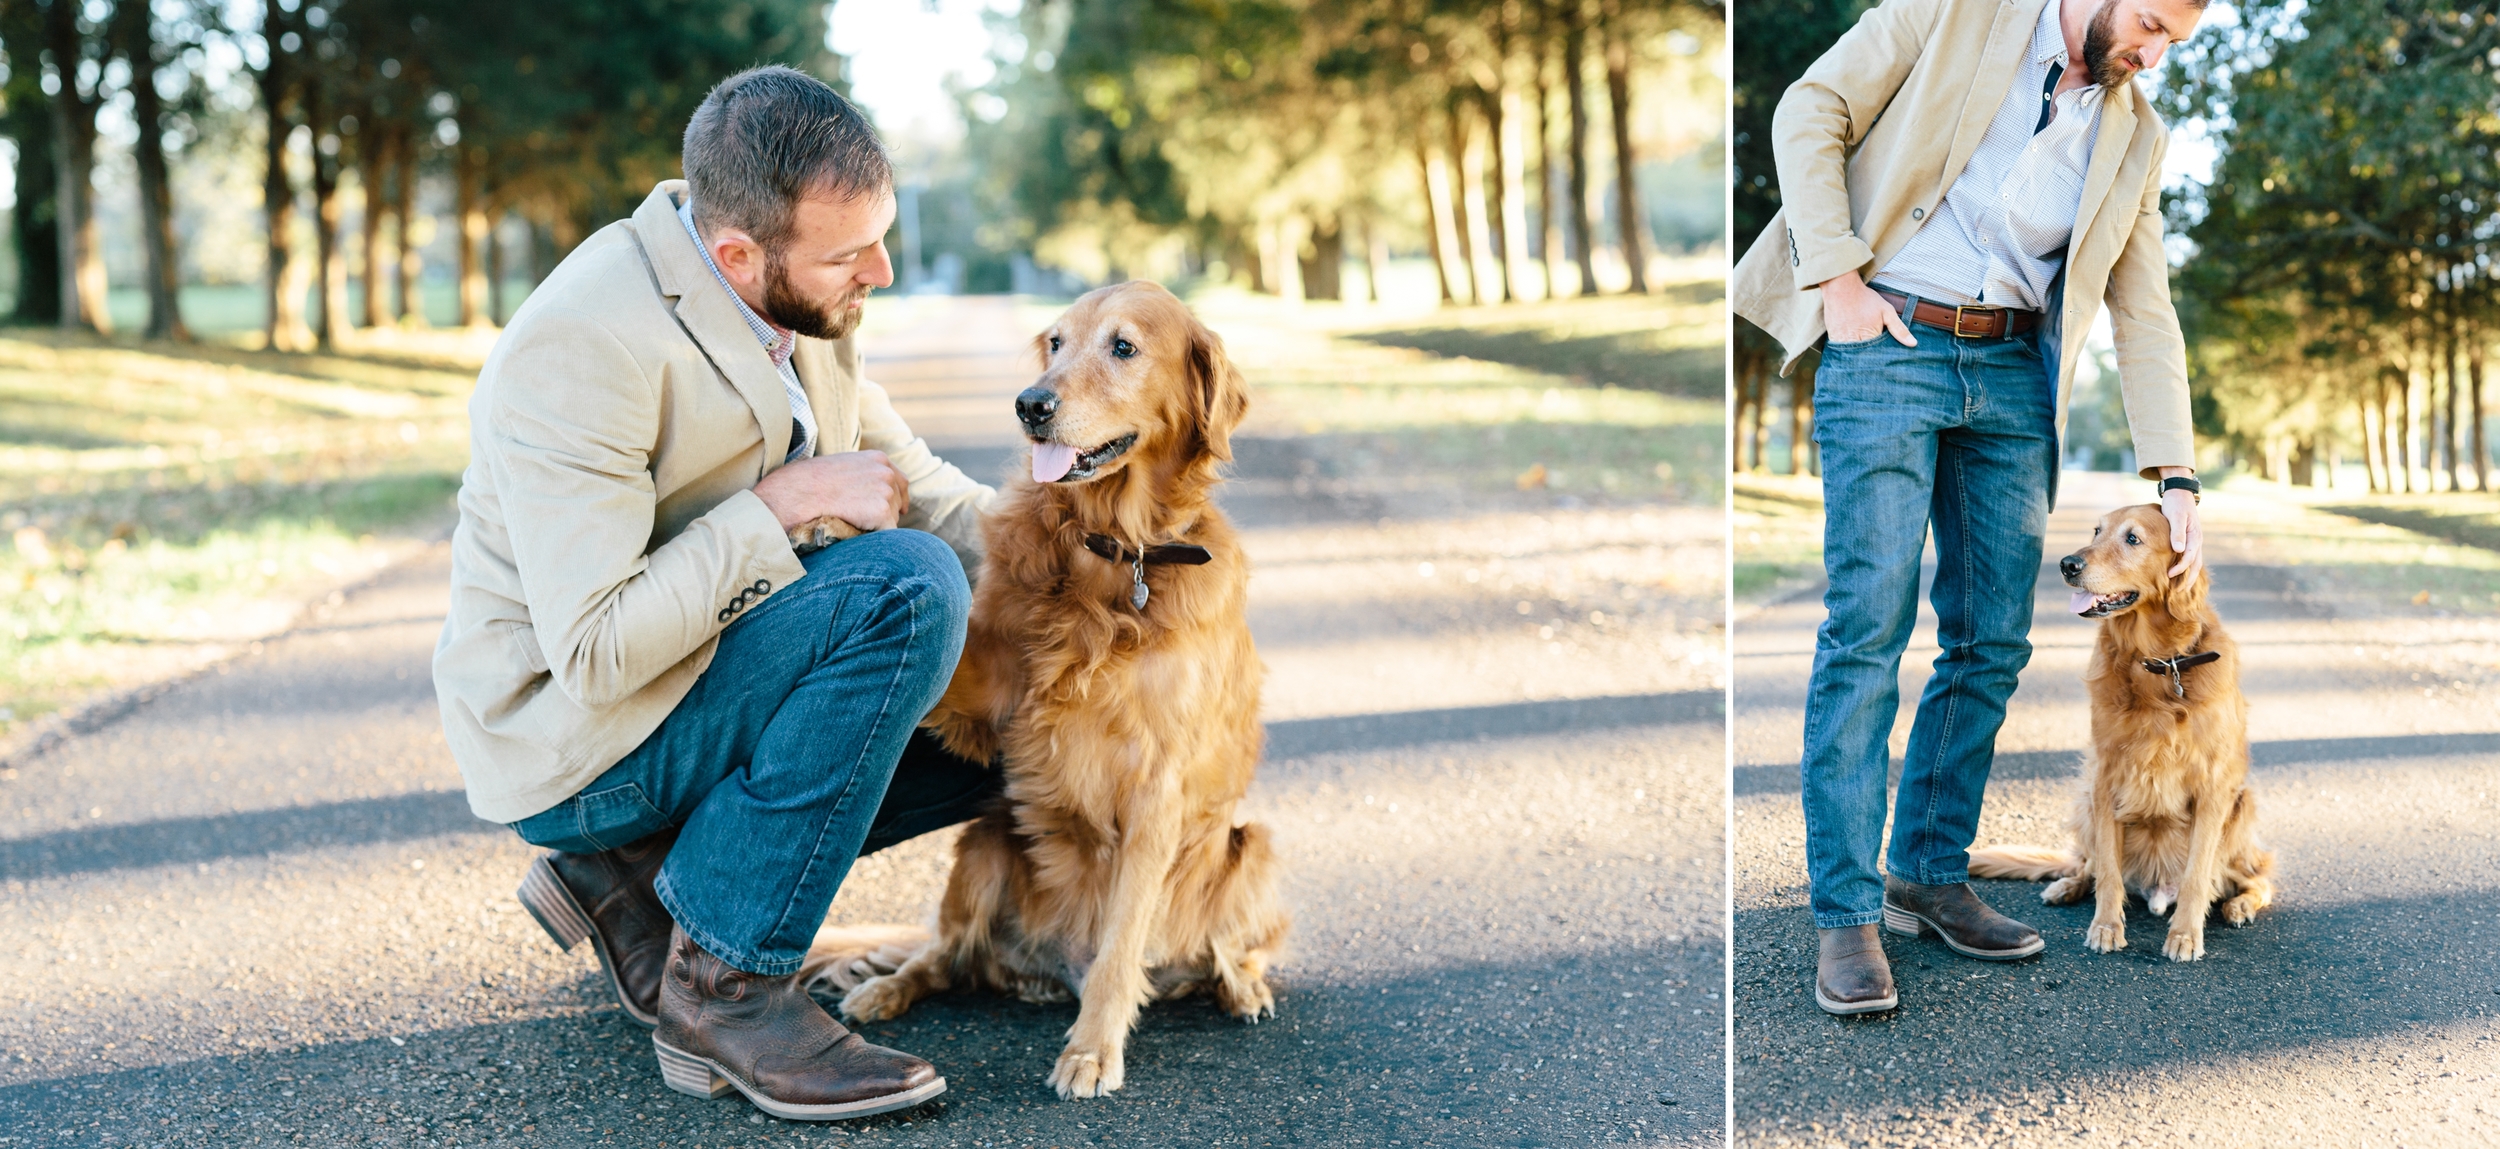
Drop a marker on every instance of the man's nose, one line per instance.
(1034, 407)
(2071, 566)
(2152, 55)
(880, 270)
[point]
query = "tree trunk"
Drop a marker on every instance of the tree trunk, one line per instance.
(1441, 230)
(135, 36)
(1575, 57)
(1375, 257)
(411, 262)
(1496, 211)
(2474, 384)
(2404, 430)
(34, 220)
(1513, 140)
(372, 160)
(1467, 198)
(1323, 273)
(494, 272)
(470, 168)
(285, 318)
(2450, 353)
(2369, 441)
(330, 262)
(1627, 186)
(73, 126)
(1548, 221)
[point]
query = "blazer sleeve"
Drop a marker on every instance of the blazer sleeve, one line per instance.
(1825, 114)
(944, 501)
(2144, 330)
(574, 420)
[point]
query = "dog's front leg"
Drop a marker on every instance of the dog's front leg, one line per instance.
(2108, 862)
(2196, 888)
(1091, 1065)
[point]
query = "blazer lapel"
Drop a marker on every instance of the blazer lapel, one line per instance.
(2003, 55)
(709, 315)
(2109, 153)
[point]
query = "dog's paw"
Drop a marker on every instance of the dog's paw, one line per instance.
(2242, 910)
(2184, 944)
(2066, 891)
(1042, 990)
(877, 999)
(2106, 937)
(1086, 1072)
(1248, 1001)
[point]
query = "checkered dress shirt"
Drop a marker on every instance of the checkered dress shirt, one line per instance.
(2000, 235)
(777, 343)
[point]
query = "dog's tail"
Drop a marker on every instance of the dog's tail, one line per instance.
(2024, 863)
(844, 956)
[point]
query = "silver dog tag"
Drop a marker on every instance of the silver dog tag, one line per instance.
(1137, 592)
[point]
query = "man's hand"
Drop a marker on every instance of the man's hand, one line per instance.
(1852, 312)
(860, 488)
(2187, 535)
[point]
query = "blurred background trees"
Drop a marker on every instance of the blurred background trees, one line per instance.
(337, 164)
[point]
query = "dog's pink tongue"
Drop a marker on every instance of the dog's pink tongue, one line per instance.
(1051, 460)
(2082, 601)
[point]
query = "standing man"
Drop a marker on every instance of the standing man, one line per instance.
(1965, 182)
(639, 671)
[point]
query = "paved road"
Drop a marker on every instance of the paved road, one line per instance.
(2360, 1010)
(256, 911)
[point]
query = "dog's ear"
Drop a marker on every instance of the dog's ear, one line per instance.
(1218, 395)
(2185, 595)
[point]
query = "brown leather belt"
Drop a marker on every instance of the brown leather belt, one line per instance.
(1967, 322)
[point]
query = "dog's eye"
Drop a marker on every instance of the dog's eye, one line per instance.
(1123, 349)
(2133, 541)
(1054, 344)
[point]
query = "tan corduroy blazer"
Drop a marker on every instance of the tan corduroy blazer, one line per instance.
(1871, 136)
(607, 517)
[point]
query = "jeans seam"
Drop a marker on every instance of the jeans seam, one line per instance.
(1953, 683)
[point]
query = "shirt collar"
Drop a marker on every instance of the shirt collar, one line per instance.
(778, 341)
(2048, 46)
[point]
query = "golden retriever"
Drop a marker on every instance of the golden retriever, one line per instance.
(1109, 664)
(2166, 807)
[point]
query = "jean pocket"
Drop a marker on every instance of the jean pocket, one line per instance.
(591, 822)
(1830, 344)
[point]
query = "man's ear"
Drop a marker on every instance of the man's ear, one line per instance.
(1218, 394)
(737, 255)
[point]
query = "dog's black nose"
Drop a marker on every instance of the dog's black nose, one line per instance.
(2070, 566)
(1035, 407)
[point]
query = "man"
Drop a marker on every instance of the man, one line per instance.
(1964, 183)
(639, 672)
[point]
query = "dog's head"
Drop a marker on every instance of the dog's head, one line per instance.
(2127, 566)
(1129, 378)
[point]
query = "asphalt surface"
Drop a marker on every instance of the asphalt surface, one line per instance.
(255, 910)
(2363, 1008)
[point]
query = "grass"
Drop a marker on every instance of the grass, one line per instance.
(1521, 403)
(160, 501)
(2421, 556)
(1776, 531)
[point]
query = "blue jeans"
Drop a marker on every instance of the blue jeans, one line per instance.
(778, 761)
(1960, 433)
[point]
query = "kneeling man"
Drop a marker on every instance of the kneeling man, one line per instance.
(639, 672)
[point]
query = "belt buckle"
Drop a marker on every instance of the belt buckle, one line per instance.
(1959, 308)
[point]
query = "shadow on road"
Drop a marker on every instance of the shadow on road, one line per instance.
(2360, 753)
(1549, 1053)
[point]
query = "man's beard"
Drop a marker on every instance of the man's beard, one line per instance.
(789, 309)
(2100, 52)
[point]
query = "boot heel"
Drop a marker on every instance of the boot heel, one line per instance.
(546, 900)
(1902, 921)
(689, 1074)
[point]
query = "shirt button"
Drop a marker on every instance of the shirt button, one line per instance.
(1918, 213)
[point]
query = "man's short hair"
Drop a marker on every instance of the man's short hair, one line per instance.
(769, 137)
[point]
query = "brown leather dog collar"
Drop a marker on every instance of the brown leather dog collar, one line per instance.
(1161, 554)
(2171, 668)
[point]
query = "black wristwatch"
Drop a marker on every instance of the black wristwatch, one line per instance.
(2183, 483)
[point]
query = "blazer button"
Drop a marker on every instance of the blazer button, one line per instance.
(723, 616)
(763, 586)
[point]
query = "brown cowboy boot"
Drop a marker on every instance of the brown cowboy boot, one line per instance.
(1959, 917)
(722, 1028)
(1850, 973)
(607, 897)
